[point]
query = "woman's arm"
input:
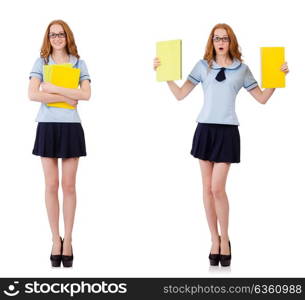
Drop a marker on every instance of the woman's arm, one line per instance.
(179, 92)
(36, 95)
(83, 93)
(263, 96)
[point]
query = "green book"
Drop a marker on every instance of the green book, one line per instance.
(170, 56)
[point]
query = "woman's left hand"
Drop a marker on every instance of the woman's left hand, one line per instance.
(48, 88)
(284, 68)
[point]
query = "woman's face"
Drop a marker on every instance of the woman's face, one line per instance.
(57, 37)
(221, 41)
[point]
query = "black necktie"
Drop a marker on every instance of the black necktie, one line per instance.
(221, 75)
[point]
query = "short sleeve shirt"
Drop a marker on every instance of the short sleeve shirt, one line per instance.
(57, 114)
(219, 97)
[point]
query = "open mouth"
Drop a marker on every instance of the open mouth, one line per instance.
(220, 48)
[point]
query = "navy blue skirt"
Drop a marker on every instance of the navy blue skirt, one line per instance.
(59, 140)
(216, 143)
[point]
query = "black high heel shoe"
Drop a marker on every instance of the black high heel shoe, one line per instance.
(56, 259)
(225, 260)
(67, 260)
(214, 258)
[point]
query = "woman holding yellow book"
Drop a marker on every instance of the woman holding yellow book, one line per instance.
(216, 141)
(59, 131)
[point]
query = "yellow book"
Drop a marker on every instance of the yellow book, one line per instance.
(271, 60)
(63, 76)
(47, 70)
(170, 55)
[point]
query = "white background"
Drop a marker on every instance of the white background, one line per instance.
(140, 209)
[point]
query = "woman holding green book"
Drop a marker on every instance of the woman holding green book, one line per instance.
(216, 141)
(59, 131)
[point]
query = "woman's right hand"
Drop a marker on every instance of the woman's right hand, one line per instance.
(72, 102)
(157, 63)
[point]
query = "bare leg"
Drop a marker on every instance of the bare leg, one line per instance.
(69, 169)
(206, 168)
(219, 178)
(50, 169)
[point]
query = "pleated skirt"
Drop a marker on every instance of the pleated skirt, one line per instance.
(216, 143)
(59, 140)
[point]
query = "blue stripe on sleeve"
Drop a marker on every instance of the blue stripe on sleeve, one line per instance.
(194, 78)
(246, 87)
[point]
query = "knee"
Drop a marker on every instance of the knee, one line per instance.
(52, 186)
(207, 191)
(218, 192)
(68, 187)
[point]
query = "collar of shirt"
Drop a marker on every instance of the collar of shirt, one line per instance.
(72, 60)
(235, 64)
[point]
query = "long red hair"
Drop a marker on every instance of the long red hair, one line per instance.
(46, 48)
(234, 49)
